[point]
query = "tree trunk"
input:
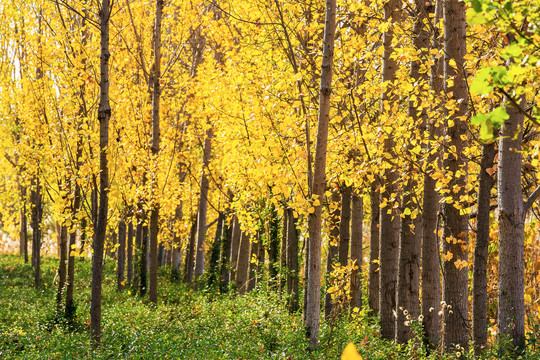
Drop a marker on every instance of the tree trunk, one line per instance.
(156, 96)
(345, 225)
(283, 254)
(333, 247)
(273, 245)
(235, 244)
(190, 253)
(203, 205)
(130, 252)
(143, 265)
(37, 215)
(23, 231)
(389, 218)
(253, 263)
(479, 287)
(431, 274)
(455, 234)
(214, 266)
(313, 305)
(104, 114)
(408, 283)
(373, 269)
(225, 257)
(242, 264)
(176, 246)
(512, 211)
(292, 262)
(357, 219)
(121, 254)
(62, 273)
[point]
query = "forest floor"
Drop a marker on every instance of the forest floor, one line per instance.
(186, 324)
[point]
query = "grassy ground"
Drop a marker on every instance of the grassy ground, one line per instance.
(185, 325)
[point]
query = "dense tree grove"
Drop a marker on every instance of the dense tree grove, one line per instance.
(374, 154)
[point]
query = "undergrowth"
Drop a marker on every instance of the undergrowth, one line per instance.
(187, 324)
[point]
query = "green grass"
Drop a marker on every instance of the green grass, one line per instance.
(185, 325)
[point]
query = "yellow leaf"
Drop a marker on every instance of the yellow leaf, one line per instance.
(528, 298)
(350, 353)
(311, 210)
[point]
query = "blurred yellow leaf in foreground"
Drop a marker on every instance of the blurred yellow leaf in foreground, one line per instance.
(350, 353)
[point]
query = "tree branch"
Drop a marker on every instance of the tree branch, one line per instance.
(532, 198)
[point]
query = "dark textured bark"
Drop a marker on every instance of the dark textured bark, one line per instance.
(242, 263)
(479, 287)
(121, 254)
(235, 244)
(357, 219)
(431, 274)
(176, 245)
(273, 245)
(62, 268)
(23, 228)
(203, 205)
(37, 215)
(389, 218)
(512, 211)
(143, 265)
(129, 249)
(333, 247)
(214, 266)
(156, 138)
(190, 254)
(455, 233)
(373, 268)
(138, 252)
(292, 262)
(104, 114)
(408, 283)
(283, 254)
(313, 297)
(345, 225)
(225, 257)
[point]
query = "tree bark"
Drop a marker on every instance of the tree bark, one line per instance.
(511, 308)
(143, 264)
(253, 264)
(357, 219)
(130, 252)
(235, 244)
(283, 254)
(389, 217)
(121, 254)
(479, 287)
(104, 115)
(292, 262)
(273, 245)
(242, 264)
(62, 273)
(37, 215)
(431, 274)
(225, 257)
(313, 305)
(23, 230)
(190, 253)
(214, 267)
(345, 225)
(203, 205)
(455, 233)
(373, 269)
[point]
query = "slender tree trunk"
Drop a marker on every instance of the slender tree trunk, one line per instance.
(203, 205)
(62, 273)
(373, 269)
(333, 247)
(23, 231)
(37, 214)
(156, 96)
(410, 245)
(130, 252)
(214, 265)
(283, 254)
(104, 114)
(313, 305)
(479, 288)
(273, 245)
(292, 262)
(235, 244)
(431, 274)
(176, 247)
(225, 257)
(190, 254)
(253, 264)
(512, 211)
(138, 251)
(345, 225)
(121, 253)
(143, 264)
(243, 263)
(357, 219)
(455, 234)
(389, 218)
